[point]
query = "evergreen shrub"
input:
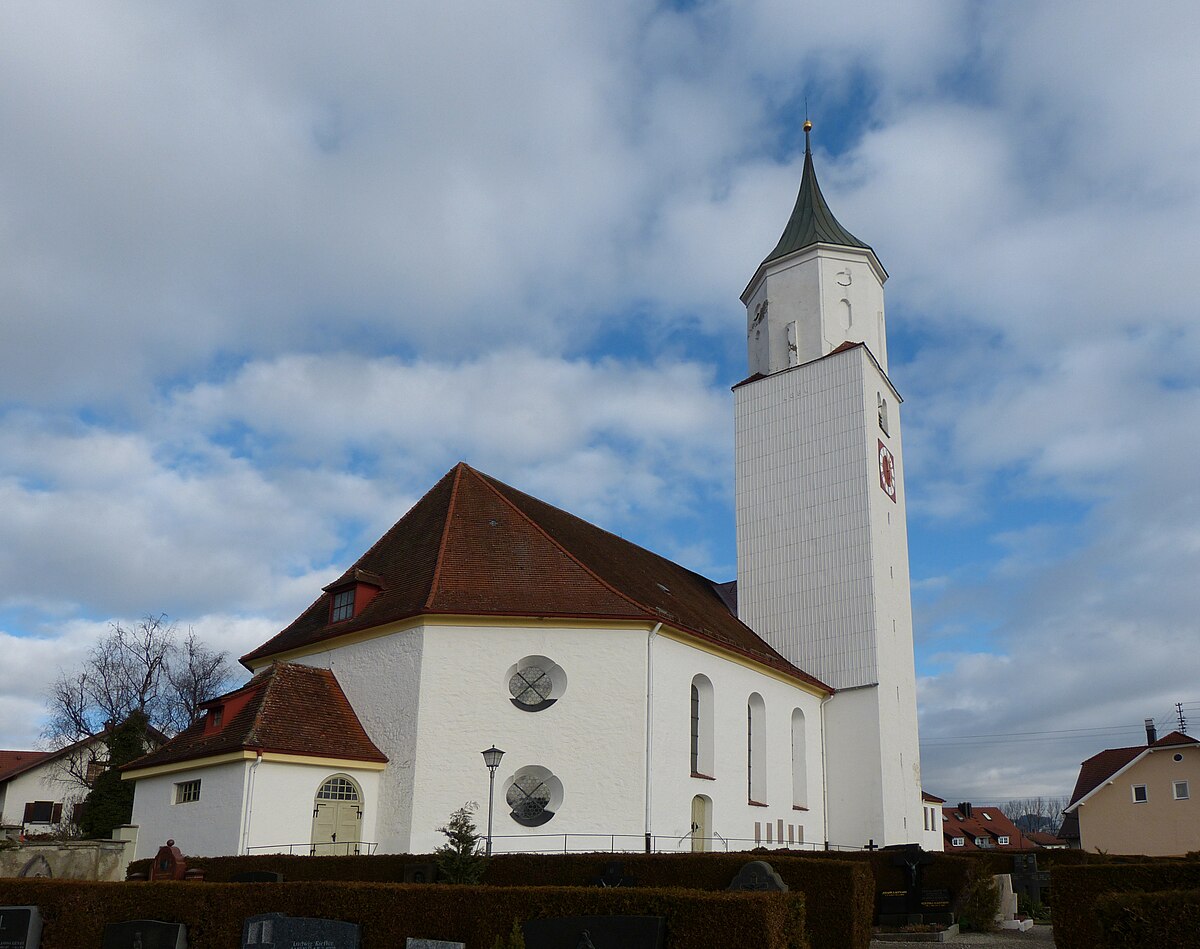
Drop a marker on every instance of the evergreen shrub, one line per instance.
(1137, 920)
(1078, 889)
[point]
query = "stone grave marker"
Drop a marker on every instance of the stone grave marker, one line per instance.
(20, 927)
(257, 876)
(278, 931)
(596, 932)
(144, 934)
(914, 904)
(420, 873)
(433, 944)
(168, 863)
(758, 876)
(614, 875)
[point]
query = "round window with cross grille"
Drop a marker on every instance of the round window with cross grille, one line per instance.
(536, 683)
(533, 796)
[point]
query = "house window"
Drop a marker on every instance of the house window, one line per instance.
(1181, 790)
(958, 841)
(42, 812)
(701, 727)
(187, 791)
(1139, 794)
(535, 683)
(1003, 841)
(95, 768)
(338, 789)
(343, 606)
(534, 794)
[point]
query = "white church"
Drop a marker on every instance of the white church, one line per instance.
(638, 705)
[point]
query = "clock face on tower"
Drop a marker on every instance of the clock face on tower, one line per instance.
(887, 471)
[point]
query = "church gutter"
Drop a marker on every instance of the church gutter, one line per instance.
(650, 728)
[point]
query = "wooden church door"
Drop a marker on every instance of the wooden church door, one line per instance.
(701, 818)
(337, 817)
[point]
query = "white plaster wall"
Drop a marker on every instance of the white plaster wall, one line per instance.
(592, 738)
(675, 664)
(382, 679)
(809, 289)
(803, 501)
(281, 799)
(209, 827)
(854, 779)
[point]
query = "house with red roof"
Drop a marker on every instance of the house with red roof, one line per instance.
(967, 826)
(637, 704)
(1138, 800)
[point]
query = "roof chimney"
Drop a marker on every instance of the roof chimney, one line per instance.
(1151, 734)
(964, 808)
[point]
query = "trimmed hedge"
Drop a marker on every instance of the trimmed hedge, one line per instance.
(839, 895)
(75, 911)
(1078, 889)
(1136, 920)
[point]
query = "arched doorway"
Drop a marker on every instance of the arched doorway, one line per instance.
(701, 823)
(337, 817)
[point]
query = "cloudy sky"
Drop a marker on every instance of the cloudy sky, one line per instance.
(268, 270)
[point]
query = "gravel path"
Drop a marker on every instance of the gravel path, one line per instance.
(1040, 935)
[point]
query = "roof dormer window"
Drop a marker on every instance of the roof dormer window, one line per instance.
(342, 606)
(215, 716)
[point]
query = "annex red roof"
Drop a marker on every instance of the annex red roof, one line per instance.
(287, 708)
(13, 763)
(475, 546)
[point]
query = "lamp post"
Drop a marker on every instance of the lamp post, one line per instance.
(491, 758)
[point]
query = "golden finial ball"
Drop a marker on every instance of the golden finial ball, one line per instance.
(807, 125)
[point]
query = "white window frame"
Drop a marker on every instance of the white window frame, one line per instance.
(187, 792)
(1003, 841)
(1176, 786)
(1145, 794)
(958, 841)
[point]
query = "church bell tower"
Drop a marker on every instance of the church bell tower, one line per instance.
(822, 541)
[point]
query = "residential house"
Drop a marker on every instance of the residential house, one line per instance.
(980, 827)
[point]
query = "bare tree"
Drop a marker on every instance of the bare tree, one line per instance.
(1036, 813)
(134, 669)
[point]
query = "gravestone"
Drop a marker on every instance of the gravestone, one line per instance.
(758, 876)
(20, 927)
(144, 934)
(168, 863)
(913, 904)
(433, 944)
(420, 873)
(614, 875)
(596, 932)
(1028, 881)
(257, 876)
(277, 931)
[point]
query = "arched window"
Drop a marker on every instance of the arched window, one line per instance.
(756, 747)
(799, 760)
(702, 727)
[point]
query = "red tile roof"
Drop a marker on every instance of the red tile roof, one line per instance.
(984, 823)
(475, 546)
(287, 708)
(13, 763)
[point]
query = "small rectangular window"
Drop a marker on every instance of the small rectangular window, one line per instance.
(42, 812)
(187, 791)
(1181, 790)
(343, 606)
(1139, 794)
(95, 768)
(1003, 841)
(959, 841)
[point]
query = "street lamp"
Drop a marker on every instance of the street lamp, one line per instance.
(491, 758)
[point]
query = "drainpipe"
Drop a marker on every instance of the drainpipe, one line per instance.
(824, 778)
(650, 728)
(250, 800)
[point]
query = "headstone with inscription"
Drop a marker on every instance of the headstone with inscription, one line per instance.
(277, 931)
(144, 934)
(20, 927)
(433, 944)
(596, 932)
(913, 904)
(760, 877)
